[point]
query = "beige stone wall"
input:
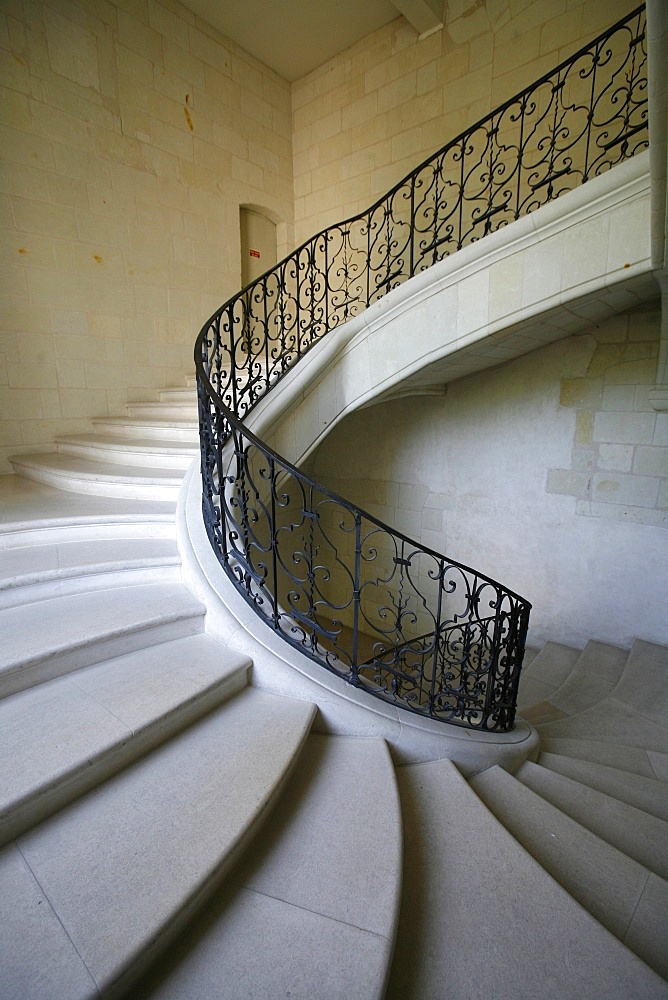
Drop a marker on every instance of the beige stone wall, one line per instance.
(130, 133)
(363, 120)
(549, 473)
(619, 462)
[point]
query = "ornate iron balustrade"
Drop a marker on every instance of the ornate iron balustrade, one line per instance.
(389, 615)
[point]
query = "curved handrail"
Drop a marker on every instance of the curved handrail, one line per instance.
(389, 615)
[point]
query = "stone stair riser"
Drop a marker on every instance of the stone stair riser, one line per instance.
(121, 908)
(100, 764)
(96, 483)
(62, 583)
(23, 534)
(163, 411)
(155, 458)
(59, 662)
(173, 430)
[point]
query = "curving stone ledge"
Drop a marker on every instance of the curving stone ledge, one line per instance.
(526, 285)
(540, 279)
(342, 709)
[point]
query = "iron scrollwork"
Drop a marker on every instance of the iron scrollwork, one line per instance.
(388, 615)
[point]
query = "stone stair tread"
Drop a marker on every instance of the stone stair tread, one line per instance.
(530, 654)
(609, 884)
(172, 395)
(310, 887)
(168, 408)
(125, 867)
(594, 677)
(81, 473)
(28, 564)
(161, 428)
(85, 468)
(62, 737)
(163, 406)
(642, 687)
(27, 503)
(142, 445)
(642, 792)
(553, 662)
(650, 920)
(540, 712)
(546, 672)
(130, 450)
(45, 640)
(103, 527)
(627, 758)
(611, 722)
(149, 422)
(636, 833)
(466, 878)
(659, 762)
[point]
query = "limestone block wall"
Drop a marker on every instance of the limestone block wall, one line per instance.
(548, 473)
(366, 118)
(619, 461)
(130, 133)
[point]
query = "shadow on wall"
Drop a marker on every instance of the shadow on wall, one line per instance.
(551, 469)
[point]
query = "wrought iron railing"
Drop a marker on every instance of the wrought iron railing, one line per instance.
(389, 615)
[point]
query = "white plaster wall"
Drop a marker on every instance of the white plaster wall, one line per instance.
(469, 474)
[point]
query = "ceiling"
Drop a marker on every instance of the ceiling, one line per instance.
(293, 37)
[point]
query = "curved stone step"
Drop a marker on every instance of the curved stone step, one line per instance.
(530, 654)
(163, 410)
(597, 671)
(70, 472)
(30, 506)
(175, 394)
(320, 890)
(56, 530)
(630, 901)
(105, 716)
(111, 880)
(631, 759)
(610, 722)
(172, 429)
(644, 793)
(642, 686)
(54, 637)
(480, 917)
(129, 451)
(39, 572)
(631, 830)
(603, 671)
(546, 672)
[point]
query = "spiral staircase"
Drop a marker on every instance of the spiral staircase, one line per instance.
(174, 825)
(170, 830)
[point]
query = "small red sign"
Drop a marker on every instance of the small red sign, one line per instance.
(254, 253)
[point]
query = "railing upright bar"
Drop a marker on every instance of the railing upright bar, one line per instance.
(437, 635)
(460, 236)
(590, 117)
(356, 597)
(274, 543)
